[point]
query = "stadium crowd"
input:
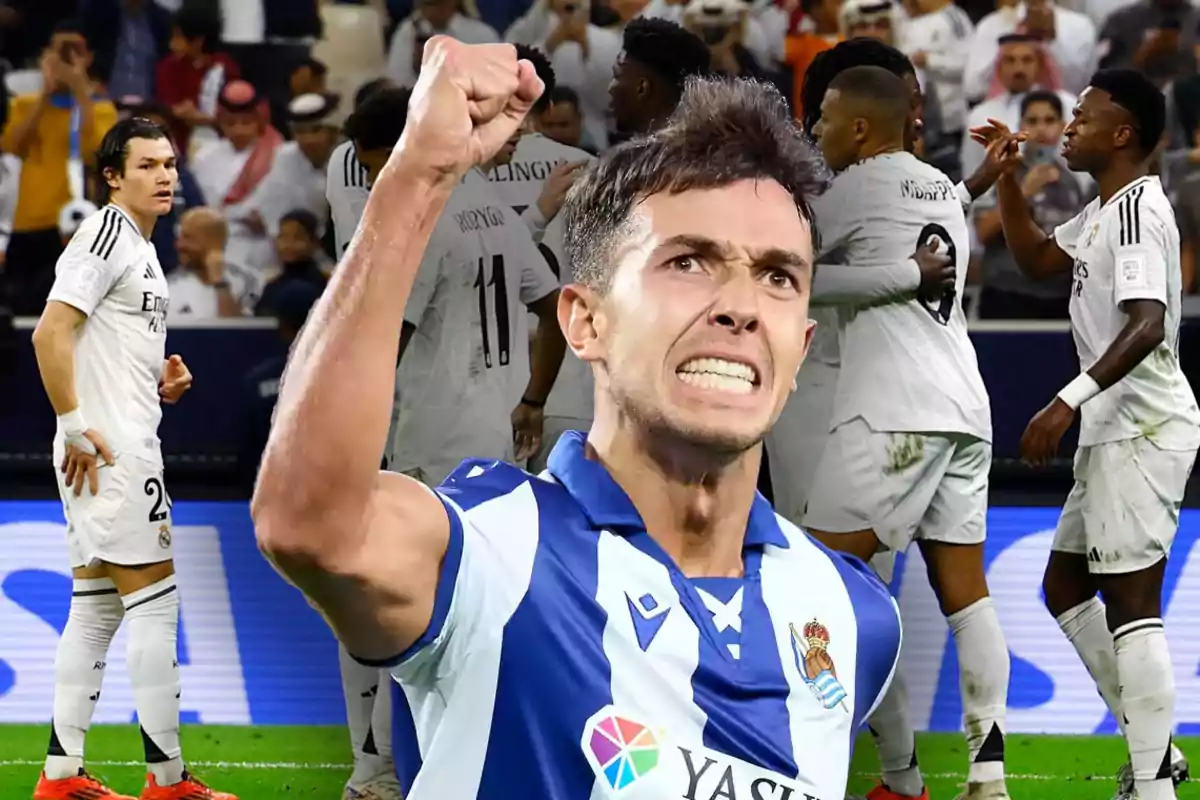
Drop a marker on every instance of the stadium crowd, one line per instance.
(255, 93)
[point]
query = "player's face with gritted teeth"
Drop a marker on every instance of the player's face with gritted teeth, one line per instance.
(148, 185)
(708, 313)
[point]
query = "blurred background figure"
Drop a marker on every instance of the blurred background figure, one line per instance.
(232, 170)
(1056, 195)
(205, 285)
(55, 133)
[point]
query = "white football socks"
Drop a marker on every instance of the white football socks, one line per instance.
(360, 686)
(894, 739)
(983, 669)
(152, 614)
(1086, 628)
(381, 719)
(1147, 686)
(95, 615)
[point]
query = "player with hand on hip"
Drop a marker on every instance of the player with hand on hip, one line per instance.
(639, 614)
(100, 346)
(1140, 426)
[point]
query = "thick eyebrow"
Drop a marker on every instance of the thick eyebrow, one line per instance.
(711, 248)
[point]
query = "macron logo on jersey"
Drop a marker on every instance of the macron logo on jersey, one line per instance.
(648, 618)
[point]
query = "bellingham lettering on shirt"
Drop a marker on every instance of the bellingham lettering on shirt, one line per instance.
(517, 171)
(709, 779)
(926, 190)
(478, 219)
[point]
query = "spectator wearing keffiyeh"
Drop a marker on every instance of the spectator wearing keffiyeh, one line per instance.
(231, 170)
(1022, 64)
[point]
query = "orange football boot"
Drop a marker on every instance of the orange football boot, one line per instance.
(80, 787)
(190, 788)
(882, 792)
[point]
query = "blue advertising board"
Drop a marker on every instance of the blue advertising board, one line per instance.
(253, 652)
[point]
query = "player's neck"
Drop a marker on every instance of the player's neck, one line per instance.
(883, 148)
(145, 222)
(1116, 176)
(695, 505)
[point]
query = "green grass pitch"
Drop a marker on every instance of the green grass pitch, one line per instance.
(266, 763)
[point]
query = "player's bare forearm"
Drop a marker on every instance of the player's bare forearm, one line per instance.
(320, 466)
(1143, 332)
(54, 348)
(988, 226)
(1038, 256)
(979, 181)
(548, 349)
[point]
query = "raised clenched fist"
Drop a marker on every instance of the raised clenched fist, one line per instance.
(468, 101)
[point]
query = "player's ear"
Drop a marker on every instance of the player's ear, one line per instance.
(861, 129)
(577, 308)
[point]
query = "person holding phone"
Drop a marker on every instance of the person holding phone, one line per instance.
(582, 55)
(55, 133)
(1054, 193)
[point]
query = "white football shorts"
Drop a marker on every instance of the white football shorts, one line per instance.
(903, 486)
(795, 442)
(1123, 511)
(127, 522)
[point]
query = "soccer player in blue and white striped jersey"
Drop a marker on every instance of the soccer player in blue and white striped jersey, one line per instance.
(636, 620)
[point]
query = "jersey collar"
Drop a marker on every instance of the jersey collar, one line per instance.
(1127, 188)
(607, 506)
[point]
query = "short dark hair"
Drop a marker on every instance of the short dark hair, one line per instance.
(369, 88)
(379, 121)
(152, 109)
(114, 147)
(1043, 96)
(564, 94)
(1144, 101)
(857, 52)
(318, 67)
(199, 22)
(884, 90)
(541, 65)
(723, 131)
(73, 25)
(670, 51)
(305, 219)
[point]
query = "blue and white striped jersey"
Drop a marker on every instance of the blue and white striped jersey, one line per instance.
(569, 659)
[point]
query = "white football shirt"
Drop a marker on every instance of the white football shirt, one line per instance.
(346, 189)
(1128, 249)
(906, 365)
(110, 272)
(519, 183)
(467, 363)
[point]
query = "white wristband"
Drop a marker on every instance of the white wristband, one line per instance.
(964, 196)
(1079, 391)
(72, 423)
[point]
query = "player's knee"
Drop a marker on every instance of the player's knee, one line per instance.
(956, 574)
(96, 610)
(1132, 596)
(1066, 584)
(153, 614)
